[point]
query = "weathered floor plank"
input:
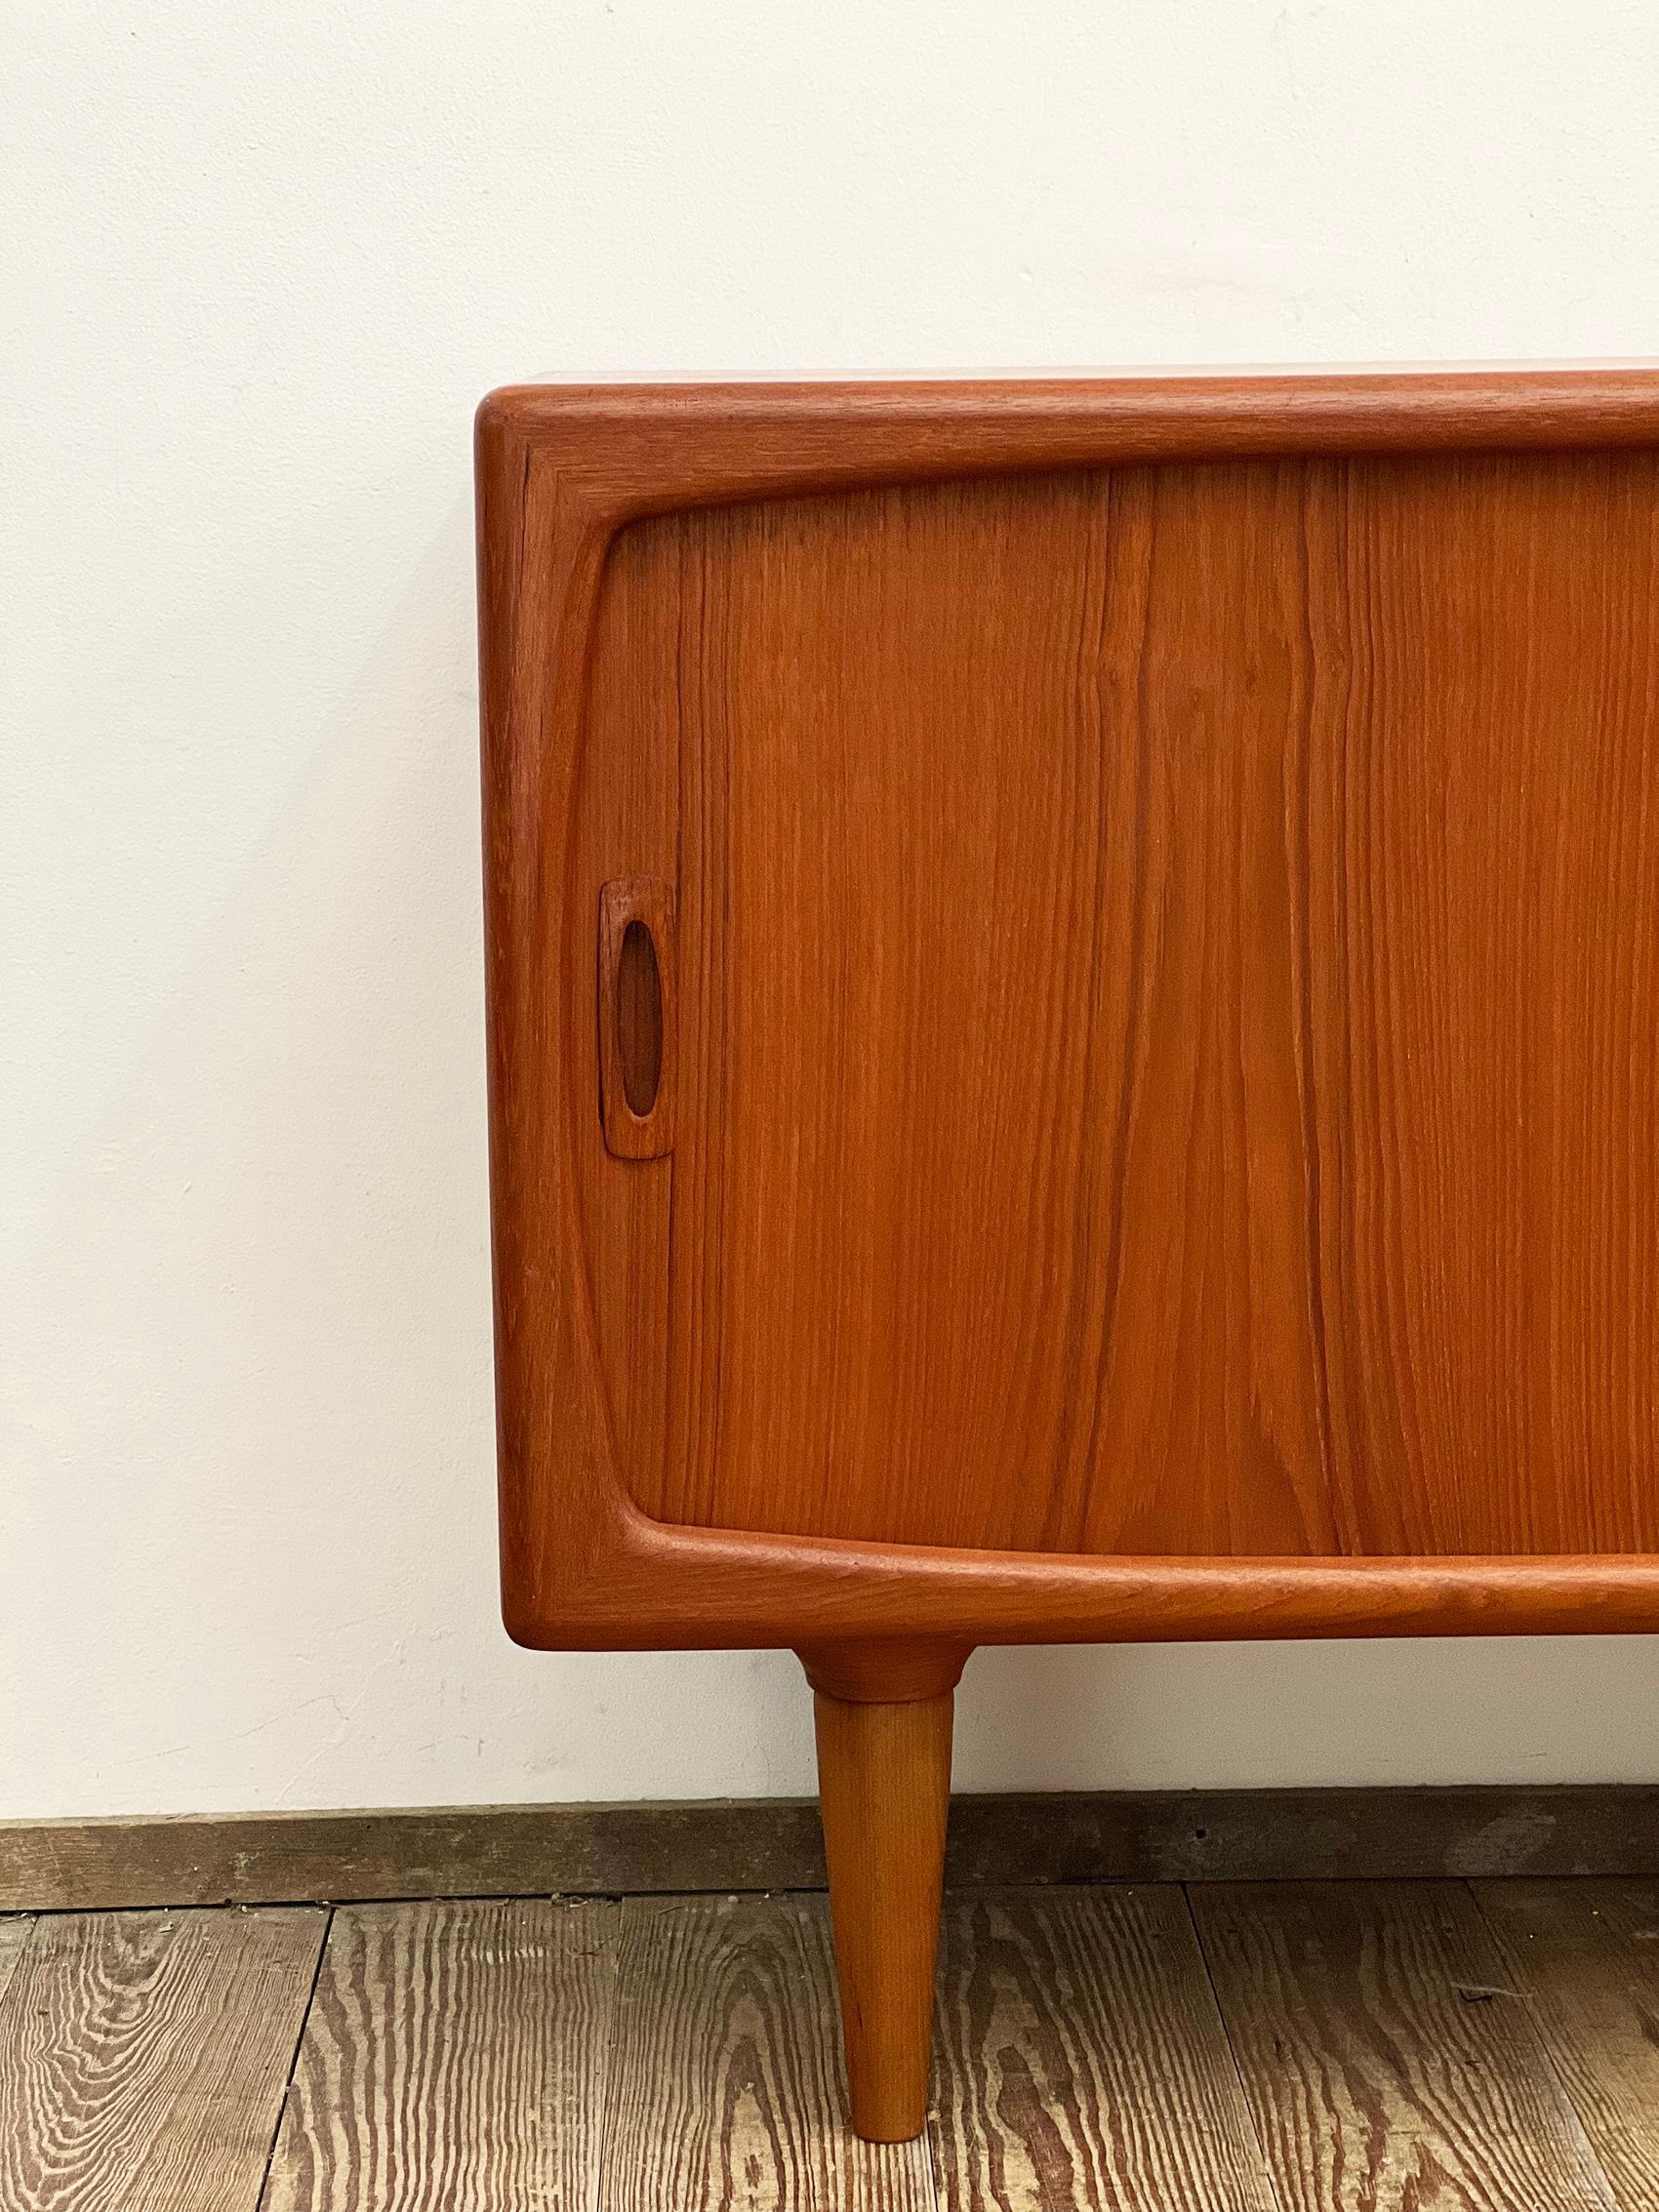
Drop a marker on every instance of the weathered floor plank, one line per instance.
(1396, 2048)
(726, 2089)
(1586, 1955)
(454, 2060)
(1082, 2062)
(13, 1934)
(144, 2056)
(1389, 2062)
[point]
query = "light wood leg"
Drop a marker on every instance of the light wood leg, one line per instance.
(884, 1788)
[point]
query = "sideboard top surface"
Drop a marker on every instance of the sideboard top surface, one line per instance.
(1162, 891)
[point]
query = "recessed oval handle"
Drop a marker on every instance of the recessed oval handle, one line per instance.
(639, 1020)
(636, 1016)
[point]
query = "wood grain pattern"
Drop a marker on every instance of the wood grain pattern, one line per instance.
(142, 2058)
(1082, 2062)
(929, 1161)
(1587, 1956)
(726, 2089)
(454, 2060)
(1164, 1071)
(1389, 2062)
(1169, 1007)
(1396, 2044)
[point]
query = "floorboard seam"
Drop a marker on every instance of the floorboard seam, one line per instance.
(613, 2028)
(1276, 2196)
(1563, 2087)
(294, 2060)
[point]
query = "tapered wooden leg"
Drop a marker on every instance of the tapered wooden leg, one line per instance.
(884, 1788)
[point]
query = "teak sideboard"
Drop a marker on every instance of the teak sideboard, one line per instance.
(1074, 1012)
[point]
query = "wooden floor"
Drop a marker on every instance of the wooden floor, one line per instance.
(1489, 2047)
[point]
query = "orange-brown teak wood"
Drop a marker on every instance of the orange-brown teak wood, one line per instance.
(1073, 995)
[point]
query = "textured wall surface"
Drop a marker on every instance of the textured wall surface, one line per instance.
(259, 264)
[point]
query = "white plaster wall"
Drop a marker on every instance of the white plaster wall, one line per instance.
(260, 264)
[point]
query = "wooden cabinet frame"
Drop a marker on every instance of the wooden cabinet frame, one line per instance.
(560, 473)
